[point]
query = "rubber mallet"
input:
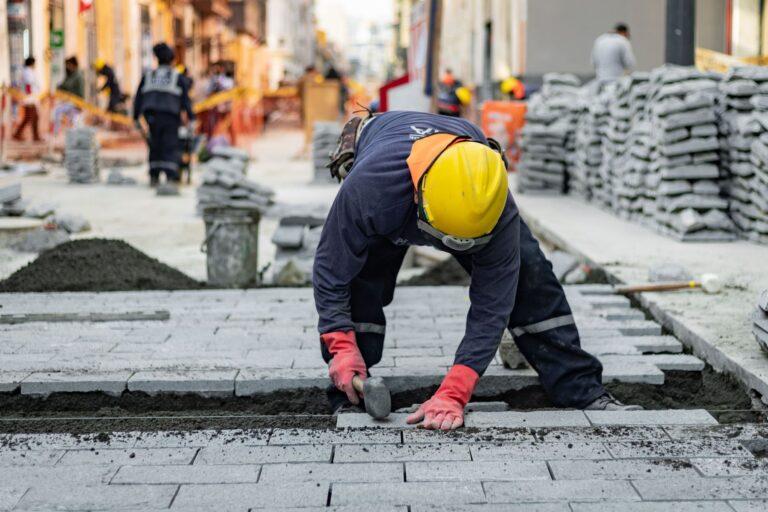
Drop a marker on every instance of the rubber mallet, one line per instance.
(378, 402)
(710, 283)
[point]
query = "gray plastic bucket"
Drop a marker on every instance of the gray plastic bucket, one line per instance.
(231, 244)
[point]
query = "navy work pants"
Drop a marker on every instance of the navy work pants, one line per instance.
(164, 144)
(539, 322)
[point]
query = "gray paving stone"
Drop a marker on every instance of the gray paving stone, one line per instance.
(651, 417)
(749, 506)
(43, 384)
(728, 432)
(204, 383)
(449, 493)
(201, 438)
(29, 457)
(464, 436)
(10, 495)
(650, 344)
(731, 467)
(655, 506)
(250, 496)
(195, 474)
(680, 362)
(129, 456)
(747, 487)
(599, 434)
(10, 381)
(677, 449)
(400, 453)
(485, 471)
(368, 508)
(562, 490)
(360, 420)
(527, 419)
(251, 382)
(507, 507)
(539, 451)
(621, 469)
(318, 472)
(638, 372)
(339, 436)
(105, 497)
(263, 454)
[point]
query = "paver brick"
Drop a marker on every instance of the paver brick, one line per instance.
(539, 451)
(263, 454)
(464, 436)
(613, 469)
(400, 453)
(29, 457)
(717, 467)
(652, 417)
(10, 495)
(10, 381)
(485, 471)
(748, 487)
(602, 433)
(201, 438)
(186, 474)
(654, 506)
(559, 490)
(318, 472)
(204, 382)
(337, 436)
(527, 419)
(676, 449)
(749, 505)
(105, 497)
(130, 456)
(361, 420)
(43, 384)
(507, 507)
(250, 496)
(251, 382)
(449, 493)
(30, 476)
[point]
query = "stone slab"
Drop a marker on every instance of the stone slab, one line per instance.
(485, 471)
(653, 506)
(621, 469)
(249, 496)
(434, 493)
(747, 487)
(677, 449)
(204, 383)
(661, 417)
(512, 419)
(10, 381)
(263, 454)
(563, 490)
(337, 472)
(539, 451)
(43, 384)
(129, 456)
(195, 474)
(105, 497)
(339, 436)
(400, 453)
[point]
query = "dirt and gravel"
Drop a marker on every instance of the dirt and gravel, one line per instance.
(96, 265)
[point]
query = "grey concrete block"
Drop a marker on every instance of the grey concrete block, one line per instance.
(737, 432)
(747, 487)
(513, 419)
(10, 496)
(251, 382)
(724, 467)
(436, 493)
(362, 420)
(464, 436)
(30, 458)
(263, 454)
(485, 471)
(205, 383)
(104, 497)
(601, 434)
(400, 453)
(195, 474)
(632, 372)
(201, 438)
(660, 417)
(564, 490)
(43, 384)
(129, 456)
(540, 451)
(250, 496)
(679, 362)
(654, 506)
(621, 469)
(316, 472)
(677, 449)
(339, 436)
(749, 506)
(10, 381)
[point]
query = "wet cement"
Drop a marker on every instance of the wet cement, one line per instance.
(96, 265)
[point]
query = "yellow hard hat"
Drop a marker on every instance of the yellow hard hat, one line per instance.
(181, 68)
(464, 95)
(508, 85)
(98, 64)
(464, 191)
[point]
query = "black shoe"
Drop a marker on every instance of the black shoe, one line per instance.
(154, 181)
(607, 402)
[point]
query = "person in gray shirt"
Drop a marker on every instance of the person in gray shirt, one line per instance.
(612, 54)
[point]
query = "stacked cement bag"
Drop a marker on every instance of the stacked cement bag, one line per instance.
(325, 137)
(754, 213)
(81, 155)
(690, 202)
(224, 185)
(547, 135)
(296, 238)
(588, 139)
(760, 325)
(739, 129)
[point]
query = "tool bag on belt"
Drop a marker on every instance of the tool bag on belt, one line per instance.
(343, 157)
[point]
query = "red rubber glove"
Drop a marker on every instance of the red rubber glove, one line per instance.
(445, 410)
(346, 363)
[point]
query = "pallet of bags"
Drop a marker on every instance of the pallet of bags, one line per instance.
(760, 323)
(588, 140)
(755, 210)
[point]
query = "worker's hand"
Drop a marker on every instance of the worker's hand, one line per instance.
(445, 410)
(346, 363)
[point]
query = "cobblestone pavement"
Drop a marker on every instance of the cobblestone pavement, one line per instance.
(640, 463)
(219, 343)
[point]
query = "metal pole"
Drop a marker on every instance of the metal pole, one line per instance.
(681, 25)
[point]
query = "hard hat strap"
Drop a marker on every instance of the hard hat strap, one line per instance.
(450, 241)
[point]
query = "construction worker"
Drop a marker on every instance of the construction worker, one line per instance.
(111, 85)
(513, 88)
(425, 179)
(612, 54)
(448, 101)
(162, 98)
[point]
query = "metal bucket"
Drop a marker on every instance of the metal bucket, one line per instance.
(231, 244)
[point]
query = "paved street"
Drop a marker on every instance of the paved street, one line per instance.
(687, 464)
(242, 342)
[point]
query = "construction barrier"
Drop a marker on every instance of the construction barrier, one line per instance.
(503, 120)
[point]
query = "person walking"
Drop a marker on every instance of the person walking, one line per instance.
(162, 99)
(29, 113)
(612, 54)
(73, 84)
(111, 85)
(427, 179)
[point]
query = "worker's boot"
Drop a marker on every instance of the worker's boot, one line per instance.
(607, 402)
(154, 181)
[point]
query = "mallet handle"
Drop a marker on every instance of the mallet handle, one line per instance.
(657, 287)
(358, 384)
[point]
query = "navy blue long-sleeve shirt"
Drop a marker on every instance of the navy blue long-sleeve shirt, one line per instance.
(377, 200)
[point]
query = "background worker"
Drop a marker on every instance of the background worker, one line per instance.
(612, 54)
(111, 85)
(513, 88)
(31, 89)
(448, 101)
(425, 179)
(73, 84)
(162, 98)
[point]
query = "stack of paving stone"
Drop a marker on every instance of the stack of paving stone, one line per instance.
(224, 185)
(81, 155)
(689, 196)
(588, 141)
(760, 326)
(11, 203)
(325, 138)
(739, 129)
(549, 135)
(296, 238)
